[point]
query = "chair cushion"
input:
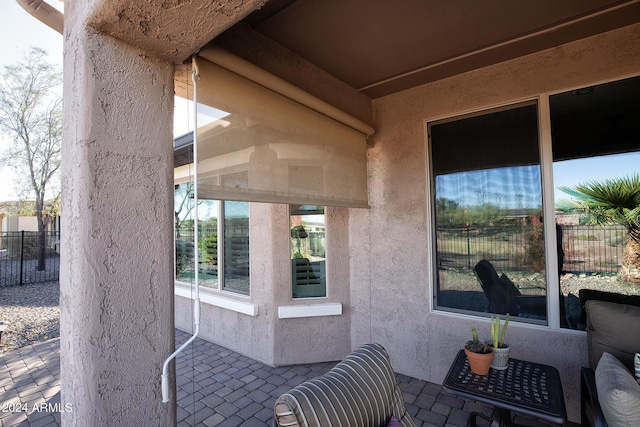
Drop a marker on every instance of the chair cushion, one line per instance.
(614, 328)
(361, 390)
(593, 294)
(618, 392)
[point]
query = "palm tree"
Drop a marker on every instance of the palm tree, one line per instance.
(612, 201)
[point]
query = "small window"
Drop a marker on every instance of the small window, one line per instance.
(224, 245)
(308, 251)
(236, 247)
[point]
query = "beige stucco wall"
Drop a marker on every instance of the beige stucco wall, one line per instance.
(390, 243)
(307, 339)
(27, 223)
(19, 223)
(10, 223)
(266, 337)
(116, 287)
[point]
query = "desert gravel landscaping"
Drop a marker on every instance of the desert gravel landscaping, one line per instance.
(33, 313)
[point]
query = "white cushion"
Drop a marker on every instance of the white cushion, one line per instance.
(618, 392)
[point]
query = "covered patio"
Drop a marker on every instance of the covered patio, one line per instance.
(380, 75)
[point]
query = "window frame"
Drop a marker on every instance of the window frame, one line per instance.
(220, 225)
(431, 212)
(548, 199)
(222, 249)
(323, 285)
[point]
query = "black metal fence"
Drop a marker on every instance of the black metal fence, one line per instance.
(19, 258)
(593, 249)
(586, 248)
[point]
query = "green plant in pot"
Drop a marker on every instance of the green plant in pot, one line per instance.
(479, 354)
(500, 347)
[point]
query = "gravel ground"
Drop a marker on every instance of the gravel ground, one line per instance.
(33, 313)
(534, 283)
(572, 283)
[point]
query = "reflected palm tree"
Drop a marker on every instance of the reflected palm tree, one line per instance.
(612, 201)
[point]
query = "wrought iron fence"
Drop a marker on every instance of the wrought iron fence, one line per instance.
(19, 252)
(593, 249)
(586, 248)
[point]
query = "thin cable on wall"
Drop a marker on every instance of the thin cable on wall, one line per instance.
(195, 75)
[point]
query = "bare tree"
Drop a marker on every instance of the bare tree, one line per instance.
(31, 114)
(183, 204)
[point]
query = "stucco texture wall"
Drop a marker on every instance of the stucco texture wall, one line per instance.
(315, 339)
(248, 335)
(116, 284)
(266, 337)
(390, 243)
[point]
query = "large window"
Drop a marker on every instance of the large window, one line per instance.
(308, 251)
(224, 244)
(491, 255)
(596, 137)
(488, 210)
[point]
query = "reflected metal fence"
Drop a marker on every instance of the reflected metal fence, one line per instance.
(593, 249)
(588, 249)
(19, 258)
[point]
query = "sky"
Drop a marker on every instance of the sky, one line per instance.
(19, 31)
(520, 187)
(572, 172)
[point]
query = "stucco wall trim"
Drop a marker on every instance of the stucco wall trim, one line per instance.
(309, 310)
(218, 301)
(525, 325)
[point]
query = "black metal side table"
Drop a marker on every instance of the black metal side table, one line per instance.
(524, 387)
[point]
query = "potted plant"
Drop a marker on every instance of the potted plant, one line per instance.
(500, 348)
(479, 354)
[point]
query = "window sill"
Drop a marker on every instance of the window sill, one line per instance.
(207, 297)
(309, 310)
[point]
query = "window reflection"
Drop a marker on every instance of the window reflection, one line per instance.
(308, 251)
(224, 243)
(236, 246)
(488, 209)
(184, 241)
(596, 137)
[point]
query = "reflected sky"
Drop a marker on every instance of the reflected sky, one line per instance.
(568, 173)
(508, 188)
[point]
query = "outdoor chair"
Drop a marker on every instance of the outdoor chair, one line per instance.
(499, 290)
(361, 390)
(610, 394)
(504, 297)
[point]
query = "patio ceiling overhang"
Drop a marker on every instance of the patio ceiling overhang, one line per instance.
(174, 29)
(377, 47)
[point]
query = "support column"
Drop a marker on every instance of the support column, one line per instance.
(116, 279)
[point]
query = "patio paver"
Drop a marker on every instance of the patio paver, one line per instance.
(215, 387)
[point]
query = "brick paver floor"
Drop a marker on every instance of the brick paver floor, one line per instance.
(215, 387)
